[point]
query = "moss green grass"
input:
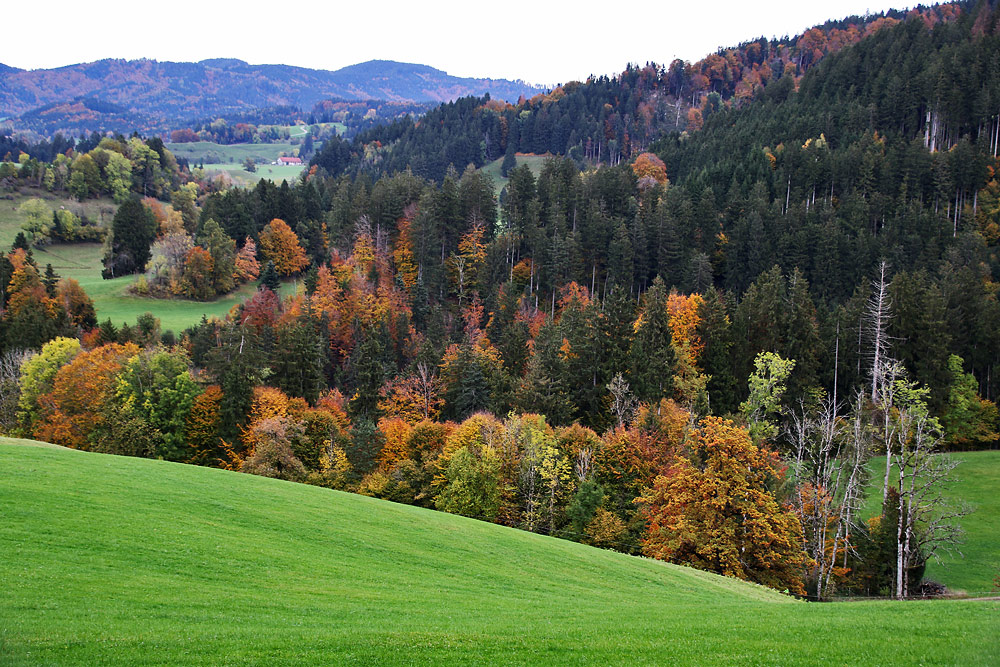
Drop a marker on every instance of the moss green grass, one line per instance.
(82, 262)
(11, 219)
(113, 560)
(534, 162)
(207, 151)
(972, 567)
(271, 172)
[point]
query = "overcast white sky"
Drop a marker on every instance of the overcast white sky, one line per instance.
(534, 40)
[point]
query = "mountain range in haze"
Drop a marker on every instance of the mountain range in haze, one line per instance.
(148, 95)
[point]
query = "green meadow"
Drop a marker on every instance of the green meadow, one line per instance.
(111, 560)
(534, 162)
(11, 219)
(82, 262)
(971, 567)
(218, 156)
(213, 153)
(272, 172)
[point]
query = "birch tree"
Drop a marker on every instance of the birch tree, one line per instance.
(926, 519)
(830, 468)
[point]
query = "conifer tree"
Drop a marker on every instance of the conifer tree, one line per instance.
(223, 252)
(544, 389)
(714, 330)
(132, 232)
(269, 278)
(652, 355)
(50, 280)
(297, 361)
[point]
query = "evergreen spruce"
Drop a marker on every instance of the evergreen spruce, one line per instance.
(269, 277)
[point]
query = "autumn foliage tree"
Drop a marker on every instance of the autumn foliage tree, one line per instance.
(196, 280)
(279, 244)
(37, 376)
(203, 427)
(73, 408)
(402, 254)
(649, 166)
(714, 510)
(78, 306)
(247, 268)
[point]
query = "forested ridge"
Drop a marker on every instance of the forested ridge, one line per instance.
(805, 280)
(608, 119)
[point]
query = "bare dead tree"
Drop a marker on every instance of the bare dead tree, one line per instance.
(363, 227)
(584, 464)
(875, 321)
(831, 456)
(624, 403)
(427, 381)
(891, 373)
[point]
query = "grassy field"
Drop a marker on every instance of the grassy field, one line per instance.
(535, 162)
(301, 130)
(128, 561)
(235, 154)
(101, 210)
(272, 172)
(977, 482)
(82, 262)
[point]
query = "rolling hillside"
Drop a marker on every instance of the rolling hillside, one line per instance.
(107, 559)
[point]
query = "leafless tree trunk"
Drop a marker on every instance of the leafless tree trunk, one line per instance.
(830, 466)
(426, 378)
(884, 404)
(623, 403)
(530, 459)
(925, 523)
(584, 464)
(876, 322)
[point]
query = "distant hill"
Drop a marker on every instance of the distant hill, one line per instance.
(149, 96)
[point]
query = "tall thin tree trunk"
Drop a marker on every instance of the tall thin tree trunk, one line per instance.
(878, 314)
(900, 568)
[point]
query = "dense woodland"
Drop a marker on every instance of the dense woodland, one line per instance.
(762, 303)
(606, 120)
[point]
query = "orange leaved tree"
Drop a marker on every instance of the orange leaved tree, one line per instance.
(280, 244)
(713, 510)
(74, 407)
(648, 165)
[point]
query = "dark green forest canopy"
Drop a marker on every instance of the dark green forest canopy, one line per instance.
(784, 202)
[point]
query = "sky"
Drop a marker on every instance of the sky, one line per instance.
(536, 41)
